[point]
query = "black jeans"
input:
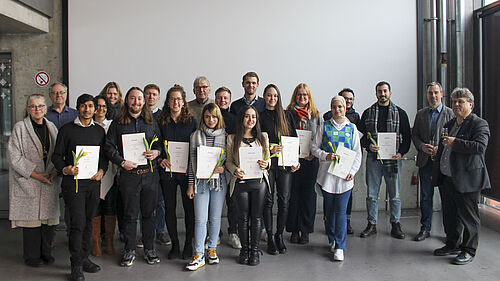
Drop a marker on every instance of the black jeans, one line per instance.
(139, 192)
(280, 180)
(107, 207)
(37, 241)
(169, 189)
(250, 196)
(302, 207)
(82, 208)
(232, 213)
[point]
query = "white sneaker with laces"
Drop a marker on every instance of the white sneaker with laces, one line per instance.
(234, 241)
(196, 262)
(338, 255)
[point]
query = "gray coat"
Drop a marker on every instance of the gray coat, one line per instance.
(421, 130)
(29, 199)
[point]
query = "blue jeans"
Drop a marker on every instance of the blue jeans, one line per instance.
(207, 207)
(336, 217)
(374, 172)
(426, 195)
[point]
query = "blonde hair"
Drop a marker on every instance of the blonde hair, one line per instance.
(213, 109)
(293, 100)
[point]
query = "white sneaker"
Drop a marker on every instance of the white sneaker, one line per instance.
(196, 262)
(234, 241)
(338, 255)
(332, 247)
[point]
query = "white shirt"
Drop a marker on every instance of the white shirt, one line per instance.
(325, 180)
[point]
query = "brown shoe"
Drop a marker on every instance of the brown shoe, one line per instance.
(109, 234)
(369, 230)
(96, 237)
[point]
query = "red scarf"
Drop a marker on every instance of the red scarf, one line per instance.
(303, 114)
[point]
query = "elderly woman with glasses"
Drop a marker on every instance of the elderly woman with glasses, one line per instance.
(33, 186)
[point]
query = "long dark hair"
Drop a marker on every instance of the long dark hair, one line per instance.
(126, 118)
(240, 130)
(186, 115)
(280, 121)
(108, 105)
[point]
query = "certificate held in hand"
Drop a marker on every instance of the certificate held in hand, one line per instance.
(206, 160)
(179, 153)
(88, 165)
(387, 144)
(290, 151)
(248, 162)
(304, 143)
(133, 148)
(344, 165)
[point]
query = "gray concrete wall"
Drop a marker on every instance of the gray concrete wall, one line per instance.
(32, 53)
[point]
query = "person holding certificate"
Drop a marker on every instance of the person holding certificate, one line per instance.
(276, 122)
(208, 193)
(333, 134)
(81, 182)
(33, 185)
(125, 146)
(302, 208)
(385, 127)
(107, 205)
(176, 125)
(250, 193)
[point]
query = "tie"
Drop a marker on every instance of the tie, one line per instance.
(433, 125)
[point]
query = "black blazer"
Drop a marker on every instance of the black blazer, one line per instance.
(467, 163)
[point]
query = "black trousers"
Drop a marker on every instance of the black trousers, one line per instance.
(302, 207)
(37, 242)
(460, 217)
(169, 189)
(232, 213)
(280, 181)
(250, 195)
(139, 192)
(82, 207)
(107, 207)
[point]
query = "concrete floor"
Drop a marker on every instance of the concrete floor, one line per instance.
(375, 258)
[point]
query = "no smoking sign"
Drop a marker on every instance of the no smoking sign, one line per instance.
(42, 79)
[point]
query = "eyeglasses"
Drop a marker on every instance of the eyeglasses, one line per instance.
(201, 87)
(42, 106)
(58, 93)
(101, 106)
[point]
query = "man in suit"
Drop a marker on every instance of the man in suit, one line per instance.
(460, 170)
(425, 135)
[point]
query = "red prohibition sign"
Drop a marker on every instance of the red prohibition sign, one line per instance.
(42, 78)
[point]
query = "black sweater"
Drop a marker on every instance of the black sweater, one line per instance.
(266, 120)
(229, 120)
(404, 129)
(114, 145)
(70, 135)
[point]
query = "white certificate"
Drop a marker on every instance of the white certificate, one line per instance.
(88, 164)
(206, 159)
(304, 143)
(290, 152)
(387, 144)
(344, 165)
(248, 162)
(179, 153)
(133, 148)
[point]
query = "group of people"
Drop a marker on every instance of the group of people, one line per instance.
(43, 150)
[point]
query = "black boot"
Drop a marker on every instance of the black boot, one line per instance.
(77, 273)
(271, 245)
(255, 252)
(245, 248)
(175, 251)
(187, 252)
(280, 244)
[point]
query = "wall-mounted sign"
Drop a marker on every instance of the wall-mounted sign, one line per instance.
(42, 79)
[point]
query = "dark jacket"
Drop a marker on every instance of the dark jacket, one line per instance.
(266, 120)
(114, 145)
(467, 163)
(421, 130)
(229, 120)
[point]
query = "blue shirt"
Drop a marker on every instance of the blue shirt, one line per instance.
(433, 120)
(59, 119)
